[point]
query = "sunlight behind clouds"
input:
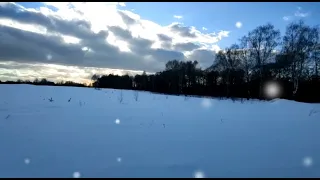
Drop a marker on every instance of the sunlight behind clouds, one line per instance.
(73, 33)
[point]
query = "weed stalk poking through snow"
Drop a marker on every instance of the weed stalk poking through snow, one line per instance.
(136, 95)
(313, 111)
(120, 97)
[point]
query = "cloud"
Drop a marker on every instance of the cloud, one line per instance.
(203, 56)
(182, 30)
(204, 28)
(96, 35)
(178, 17)
(122, 4)
(238, 24)
(164, 37)
(186, 46)
(298, 13)
(286, 18)
(301, 14)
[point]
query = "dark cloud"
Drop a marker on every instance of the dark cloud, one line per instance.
(23, 46)
(121, 33)
(127, 19)
(166, 45)
(185, 46)
(140, 45)
(163, 37)
(165, 55)
(183, 30)
(78, 28)
(204, 57)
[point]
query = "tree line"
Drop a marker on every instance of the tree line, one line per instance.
(239, 71)
(45, 82)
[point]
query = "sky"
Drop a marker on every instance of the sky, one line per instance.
(72, 41)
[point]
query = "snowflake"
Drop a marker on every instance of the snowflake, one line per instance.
(49, 57)
(307, 161)
(272, 90)
(198, 174)
(206, 103)
(76, 175)
(27, 161)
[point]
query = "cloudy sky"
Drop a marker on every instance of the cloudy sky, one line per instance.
(72, 41)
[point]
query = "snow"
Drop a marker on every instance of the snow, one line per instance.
(159, 135)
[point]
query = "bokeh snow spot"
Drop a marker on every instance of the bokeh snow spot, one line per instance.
(198, 174)
(117, 121)
(272, 90)
(307, 161)
(119, 159)
(76, 175)
(49, 57)
(206, 103)
(27, 161)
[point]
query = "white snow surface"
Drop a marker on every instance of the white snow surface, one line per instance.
(159, 135)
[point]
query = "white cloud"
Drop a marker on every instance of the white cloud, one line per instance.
(97, 34)
(238, 24)
(122, 4)
(286, 18)
(298, 13)
(301, 14)
(178, 17)
(204, 28)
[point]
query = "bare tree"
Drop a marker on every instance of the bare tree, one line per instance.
(298, 43)
(247, 62)
(261, 42)
(228, 61)
(316, 50)
(245, 58)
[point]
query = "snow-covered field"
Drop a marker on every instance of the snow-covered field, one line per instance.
(94, 135)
